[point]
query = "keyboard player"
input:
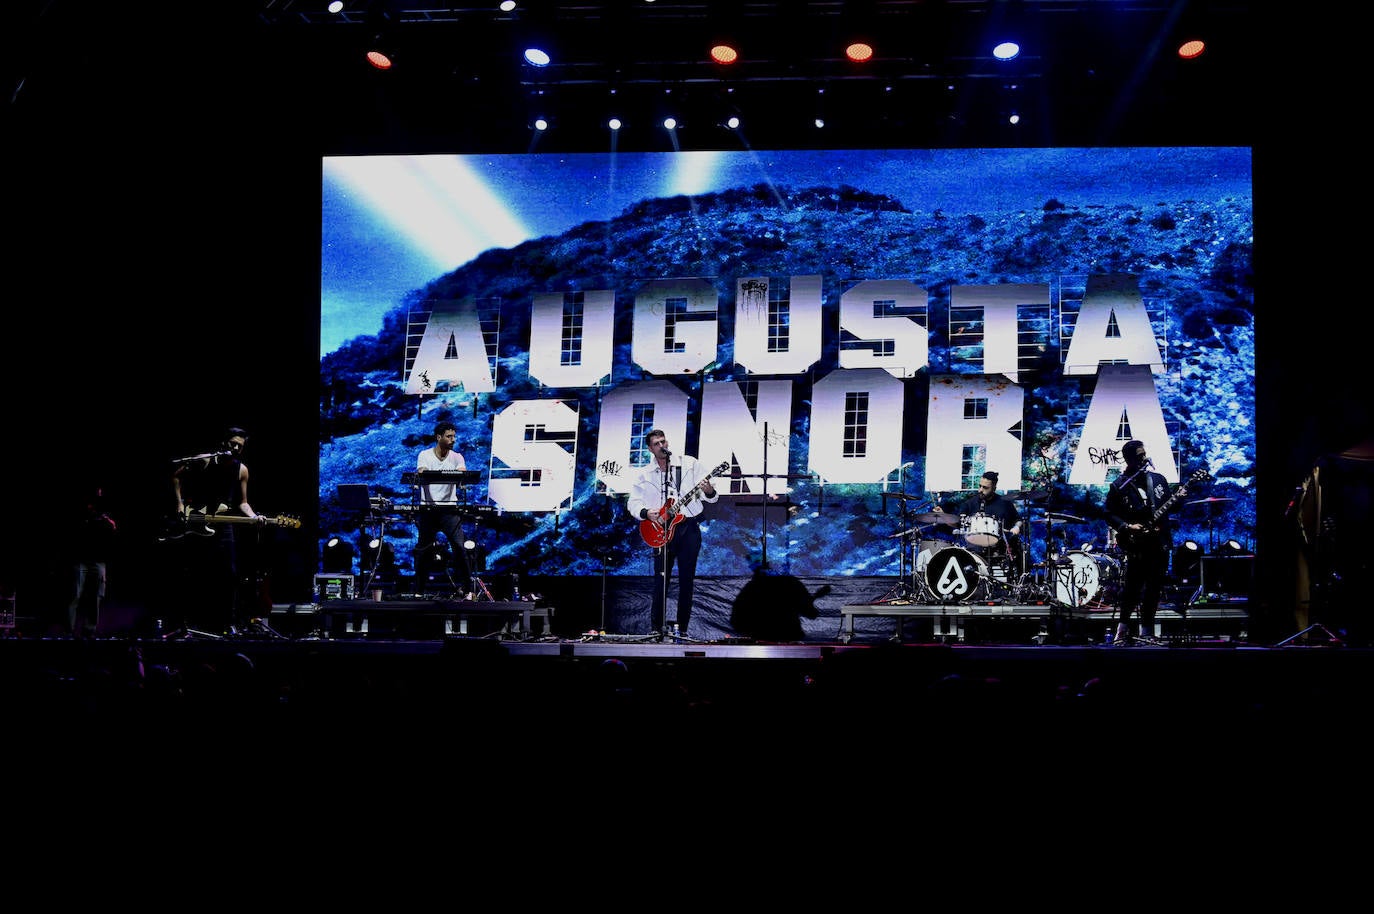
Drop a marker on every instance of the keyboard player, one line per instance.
(439, 513)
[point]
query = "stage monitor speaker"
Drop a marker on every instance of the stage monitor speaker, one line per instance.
(1228, 577)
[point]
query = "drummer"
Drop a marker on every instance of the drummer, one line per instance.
(987, 502)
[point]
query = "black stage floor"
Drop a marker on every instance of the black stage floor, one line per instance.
(494, 683)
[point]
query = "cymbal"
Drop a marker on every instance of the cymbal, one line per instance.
(1206, 501)
(937, 517)
(1032, 495)
(1062, 518)
(905, 497)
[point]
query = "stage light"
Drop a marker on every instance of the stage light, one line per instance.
(336, 6)
(338, 557)
(377, 557)
(1231, 547)
(1007, 50)
(859, 51)
(1187, 563)
(537, 57)
(507, 5)
(732, 122)
(614, 123)
(724, 54)
(1190, 49)
(670, 123)
(379, 59)
(541, 123)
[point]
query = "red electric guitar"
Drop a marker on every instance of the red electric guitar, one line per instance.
(657, 536)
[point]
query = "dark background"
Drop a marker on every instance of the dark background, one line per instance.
(161, 270)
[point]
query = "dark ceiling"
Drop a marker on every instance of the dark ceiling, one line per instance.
(1093, 72)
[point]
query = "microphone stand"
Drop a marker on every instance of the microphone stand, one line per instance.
(663, 550)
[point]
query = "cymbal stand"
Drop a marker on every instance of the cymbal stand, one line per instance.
(1058, 570)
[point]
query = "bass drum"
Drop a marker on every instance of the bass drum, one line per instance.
(950, 575)
(1087, 579)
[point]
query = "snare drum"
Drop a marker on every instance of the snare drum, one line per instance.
(952, 574)
(1085, 579)
(982, 530)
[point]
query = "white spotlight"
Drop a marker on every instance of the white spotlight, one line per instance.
(670, 123)
(614, 123)
(1006, 50)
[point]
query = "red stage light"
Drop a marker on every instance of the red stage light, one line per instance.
(859, 51)
(1190, 49)
(379, 60)
(723, 53)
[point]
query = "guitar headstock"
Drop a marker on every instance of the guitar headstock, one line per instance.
(724, 467)
(287, 522)
(1198, 476)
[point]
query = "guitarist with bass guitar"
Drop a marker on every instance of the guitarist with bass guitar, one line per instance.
(667, 498)
(1137, 508)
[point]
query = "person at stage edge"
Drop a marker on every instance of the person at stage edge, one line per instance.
(439, 513)
(666, 477)
(91, 540)
(1130, 504)
(215, 484)
(986, 501)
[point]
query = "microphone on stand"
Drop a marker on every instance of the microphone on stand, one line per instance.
(207, 456)
(667, 453)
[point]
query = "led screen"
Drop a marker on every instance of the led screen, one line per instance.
(855, 335)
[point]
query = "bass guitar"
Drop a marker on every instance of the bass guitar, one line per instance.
(1136, 538)
(656, 535)
(198, 522)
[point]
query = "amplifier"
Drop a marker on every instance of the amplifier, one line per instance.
(1227, 576)
(334, 587)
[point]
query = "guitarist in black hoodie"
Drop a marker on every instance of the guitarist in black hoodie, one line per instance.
(1132, 502)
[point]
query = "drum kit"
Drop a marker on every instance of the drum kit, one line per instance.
(971, 559)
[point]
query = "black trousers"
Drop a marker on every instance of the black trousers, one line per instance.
(1143, 582)
(681, 550)
(430, 523)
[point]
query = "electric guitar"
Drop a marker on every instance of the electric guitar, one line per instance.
(1136, 538)
(657, 536)
(197, 522)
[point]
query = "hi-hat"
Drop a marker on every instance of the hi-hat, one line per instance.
(1206, 501)
(938, 517)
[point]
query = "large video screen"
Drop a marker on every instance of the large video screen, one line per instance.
(854, 336)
